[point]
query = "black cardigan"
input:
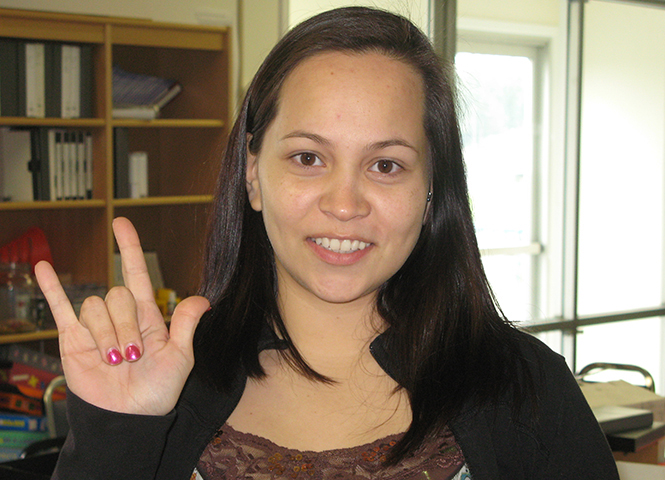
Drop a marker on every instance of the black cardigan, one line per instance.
(564, 441)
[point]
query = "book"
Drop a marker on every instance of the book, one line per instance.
(75, 85)
(140, 96)
(40, 164)
(88, 165)
(22, 422)
(35, 79)
(86, 81)
(634, 440)
(120, 163)
(68, 79)
(15, 154)
(614, 419)
(80, 165)
(12, 398)
(12, 443)
(59, 162)
(30, 380)
(52, 168)
(21, 82)
(18, 439)
(17, 353)
(68, 161)
(138, 175)
(46, 79)
(9, 62)
(53, 79)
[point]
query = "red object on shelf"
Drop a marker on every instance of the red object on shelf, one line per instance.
(31, 247)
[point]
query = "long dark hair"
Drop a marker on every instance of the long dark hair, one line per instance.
(445, 332)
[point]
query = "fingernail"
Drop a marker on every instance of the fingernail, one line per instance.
(114, 356)
(132, 353)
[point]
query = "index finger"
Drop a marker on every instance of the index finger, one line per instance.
(134, 269)
(55, 295)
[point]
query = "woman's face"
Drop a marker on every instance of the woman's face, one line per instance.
(342, 175)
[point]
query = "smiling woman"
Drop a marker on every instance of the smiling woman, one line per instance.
(317, 176)
(352, 333)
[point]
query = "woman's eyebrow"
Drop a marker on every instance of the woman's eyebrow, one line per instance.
(391, 143)
(372, 146)
(312, 136)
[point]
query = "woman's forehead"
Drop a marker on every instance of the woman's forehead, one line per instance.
(363, 88)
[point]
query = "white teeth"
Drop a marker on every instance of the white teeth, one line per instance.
(341, 246)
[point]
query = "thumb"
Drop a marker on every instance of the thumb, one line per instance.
(184, 320)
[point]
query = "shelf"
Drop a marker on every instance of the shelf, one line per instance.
(168, 123)
(160, 201)
(52, 122)
(58, 205)
(52, 26)
(164, 35)
(183, 145)
(28, 336)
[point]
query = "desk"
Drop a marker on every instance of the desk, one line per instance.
(640, 471)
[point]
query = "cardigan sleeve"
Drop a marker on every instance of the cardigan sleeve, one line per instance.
(576, 446)
(557, 438)
(107, 445)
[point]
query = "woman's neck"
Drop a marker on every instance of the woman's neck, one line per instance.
(333, 338)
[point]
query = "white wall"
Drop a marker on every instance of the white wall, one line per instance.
(538, 12)
(180, 11)
(260, 28)
(416, 10)
(261, 21)
(622, 183)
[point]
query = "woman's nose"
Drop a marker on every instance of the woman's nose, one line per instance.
(344, 198)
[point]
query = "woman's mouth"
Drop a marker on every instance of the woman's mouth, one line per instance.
(340, 246)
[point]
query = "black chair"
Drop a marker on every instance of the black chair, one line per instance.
(594, 368)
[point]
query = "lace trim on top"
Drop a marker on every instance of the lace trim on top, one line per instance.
(236, 455)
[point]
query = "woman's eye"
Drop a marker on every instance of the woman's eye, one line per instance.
(308, 159)
(385, 167)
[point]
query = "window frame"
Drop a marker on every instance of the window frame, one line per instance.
(570, 322)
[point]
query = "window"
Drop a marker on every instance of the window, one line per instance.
(620, 202)
(500, 117)
(574, 237)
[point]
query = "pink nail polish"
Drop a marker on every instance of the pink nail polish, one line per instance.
(132, 353)
(114, 356)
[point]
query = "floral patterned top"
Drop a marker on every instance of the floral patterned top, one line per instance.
(236, 455)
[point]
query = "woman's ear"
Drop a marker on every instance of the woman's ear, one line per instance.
(252, 179)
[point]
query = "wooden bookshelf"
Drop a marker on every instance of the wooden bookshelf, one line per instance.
(183, 147)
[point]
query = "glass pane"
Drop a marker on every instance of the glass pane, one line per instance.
(553, 339)
(497, 129)
(622, 157)
(510, 278)
(634, 342)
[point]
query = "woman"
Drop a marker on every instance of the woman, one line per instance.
(352, 332)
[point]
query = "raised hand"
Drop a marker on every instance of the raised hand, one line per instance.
(119, 355)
